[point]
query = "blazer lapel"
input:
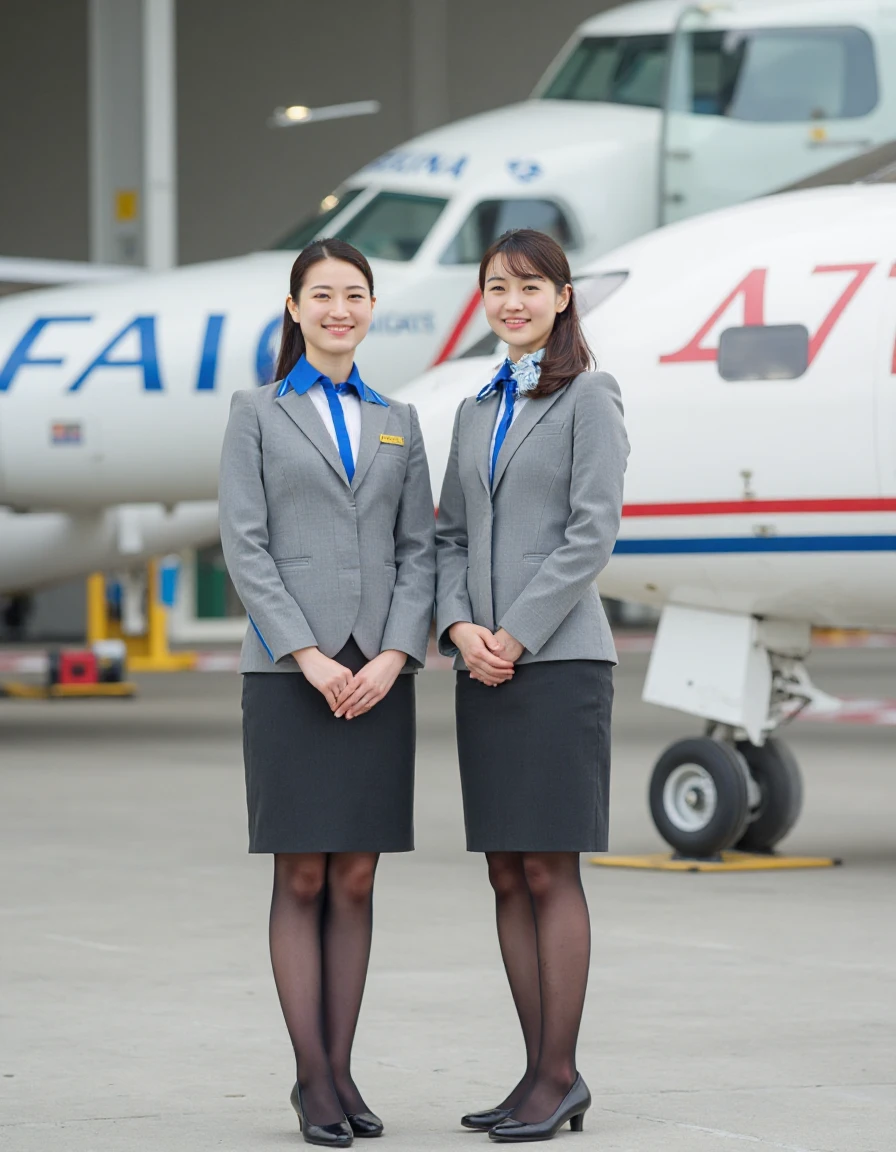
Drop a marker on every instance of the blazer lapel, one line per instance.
(483, 425)
(374, 418)
(302, 412)
(522, 425)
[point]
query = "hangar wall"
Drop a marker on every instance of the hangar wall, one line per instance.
(241, 183)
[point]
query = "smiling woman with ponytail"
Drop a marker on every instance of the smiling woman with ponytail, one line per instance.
(327, 528)
(528, 517)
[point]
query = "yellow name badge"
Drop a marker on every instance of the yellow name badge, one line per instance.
(391, 439)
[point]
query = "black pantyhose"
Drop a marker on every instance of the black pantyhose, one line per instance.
(562, 932)
(295, 929)
(347, 931)
(320, 926)
(519, 951)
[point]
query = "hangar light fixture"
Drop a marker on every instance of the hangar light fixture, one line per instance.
(300, 114)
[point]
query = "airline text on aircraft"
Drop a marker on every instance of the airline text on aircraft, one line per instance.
(751, 292)
(418, 163)
(135, 346)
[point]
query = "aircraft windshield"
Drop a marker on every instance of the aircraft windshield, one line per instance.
(614, 70)
(390, 226)
(761, 75)
(304, 233)
(491, 218)
(393, 225)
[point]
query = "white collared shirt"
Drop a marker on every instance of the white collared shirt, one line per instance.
(351, 410)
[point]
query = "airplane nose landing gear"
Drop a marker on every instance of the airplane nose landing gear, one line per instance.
(699, 796)
(737, 786)
(777, 775)
(708, 794)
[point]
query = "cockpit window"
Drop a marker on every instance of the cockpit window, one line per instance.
(491, 218)
(393, 225)
(761, 75)
(593, 289)
(487, 345)
(614, 70)
(785, 74)
(330, 207)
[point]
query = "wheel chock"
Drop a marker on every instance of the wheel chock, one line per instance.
(724, 862)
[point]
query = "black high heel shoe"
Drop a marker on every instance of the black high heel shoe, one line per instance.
(365, 1124)
(482, 1121)
(338, 1135)
(572, 1108)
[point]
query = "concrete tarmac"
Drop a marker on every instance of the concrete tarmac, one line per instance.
(137, 1008)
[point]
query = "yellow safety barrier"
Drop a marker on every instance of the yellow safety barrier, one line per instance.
(146, 653)
(18, 690)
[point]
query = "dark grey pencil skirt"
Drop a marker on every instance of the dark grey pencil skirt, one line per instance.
(535, 758)
(318, 784)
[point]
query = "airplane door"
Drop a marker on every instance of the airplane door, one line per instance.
(749, 111)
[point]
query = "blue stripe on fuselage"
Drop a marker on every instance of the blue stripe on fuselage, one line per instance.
(719, 544)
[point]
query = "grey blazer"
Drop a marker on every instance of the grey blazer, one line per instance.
(314, 559)
(525, 556)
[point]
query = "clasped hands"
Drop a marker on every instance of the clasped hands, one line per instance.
(489, 657)
(350, 695)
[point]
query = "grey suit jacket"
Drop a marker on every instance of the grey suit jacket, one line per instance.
(525, 555)
(314, 559)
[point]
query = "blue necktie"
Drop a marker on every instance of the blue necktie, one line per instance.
(510, 392)
(332, 392)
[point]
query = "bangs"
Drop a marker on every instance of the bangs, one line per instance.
(518, 262)
(528, 254)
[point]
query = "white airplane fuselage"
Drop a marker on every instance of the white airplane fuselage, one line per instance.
(575, 159)
(769, 497)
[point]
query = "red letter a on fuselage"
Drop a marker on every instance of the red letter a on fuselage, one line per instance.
(752, 289)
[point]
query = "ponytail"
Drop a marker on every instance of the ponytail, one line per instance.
(292, 346)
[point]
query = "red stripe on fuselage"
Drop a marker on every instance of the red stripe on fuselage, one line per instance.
(459, 328)
(749, 507)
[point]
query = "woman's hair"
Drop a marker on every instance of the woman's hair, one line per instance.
(292, 342)
(526, 252)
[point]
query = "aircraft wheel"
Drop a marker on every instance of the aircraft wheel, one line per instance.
(698, 796)
(777, 774)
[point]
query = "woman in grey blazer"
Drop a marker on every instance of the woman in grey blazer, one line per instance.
(528, 516)
(327, 526)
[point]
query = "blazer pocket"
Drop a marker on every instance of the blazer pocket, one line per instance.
(394, 453)
(534, 557)
(294, 562)
(547, 429)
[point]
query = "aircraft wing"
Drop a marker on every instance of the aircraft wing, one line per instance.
(877, 166)
(21, 273)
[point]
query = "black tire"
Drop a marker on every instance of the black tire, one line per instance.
(726, 813)
(777, 774)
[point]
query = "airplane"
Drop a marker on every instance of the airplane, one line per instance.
(756, 350)
(759, 94)
(652, 112)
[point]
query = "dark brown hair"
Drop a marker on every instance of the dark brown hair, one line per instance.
(526, 252)
(292, 342)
